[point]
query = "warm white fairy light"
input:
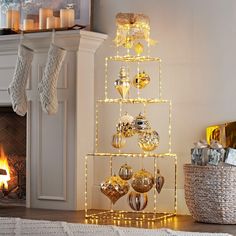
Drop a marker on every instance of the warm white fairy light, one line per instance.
(86, 186)
(106, 77)
(155, 192)
(160, 80)
(96, 126)
(170, 127)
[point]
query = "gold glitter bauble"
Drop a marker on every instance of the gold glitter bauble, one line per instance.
(142, 181)
(141, 124)
(126, 126)
(141, 80)
(159, 181)
(118, 140)
(126, 172)
(122, 84)
(138, 48)
(148, 140)
(137, 201)
(114, 188)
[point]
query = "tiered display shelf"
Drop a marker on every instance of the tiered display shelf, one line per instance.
(111, 157)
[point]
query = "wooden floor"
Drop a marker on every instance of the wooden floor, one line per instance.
(184, 223)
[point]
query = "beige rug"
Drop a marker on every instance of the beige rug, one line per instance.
(18, 227)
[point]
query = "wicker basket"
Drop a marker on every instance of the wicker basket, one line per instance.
(210, 193)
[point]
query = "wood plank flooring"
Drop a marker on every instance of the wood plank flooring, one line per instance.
(184, 223)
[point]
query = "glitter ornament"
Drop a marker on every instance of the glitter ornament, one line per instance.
(148, 140)
(142, 181)
(126, 125)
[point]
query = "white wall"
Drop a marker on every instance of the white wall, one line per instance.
(197, 43)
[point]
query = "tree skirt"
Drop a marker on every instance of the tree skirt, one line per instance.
(16, 226)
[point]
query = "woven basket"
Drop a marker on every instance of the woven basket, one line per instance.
(210, 193)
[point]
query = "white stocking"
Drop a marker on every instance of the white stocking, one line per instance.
(48, 86)
(16, 88)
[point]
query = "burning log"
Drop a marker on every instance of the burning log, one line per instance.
(3, 172)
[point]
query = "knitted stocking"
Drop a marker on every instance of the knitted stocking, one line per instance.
(16, 88)
(48, 85)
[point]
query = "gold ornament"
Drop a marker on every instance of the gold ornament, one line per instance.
(141, 80)
(160, 180)
(126, 125)
(138, 48)
(137, 201)
(128, 42)
(114, 188)
(122, 84)
(148, 140)
(142, 181)
(141, 124)
(118, 140)
(126, 172)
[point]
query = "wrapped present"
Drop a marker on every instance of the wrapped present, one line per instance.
(216, 153)
(230, 157)
(200, 153)
(203, 154)
(224, 134)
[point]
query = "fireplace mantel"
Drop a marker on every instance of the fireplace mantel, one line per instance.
(56, 145)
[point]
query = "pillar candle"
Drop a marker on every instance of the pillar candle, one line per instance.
(13, 19)
(53, 22)
(67, 17)
(28, 24)
(43, 14)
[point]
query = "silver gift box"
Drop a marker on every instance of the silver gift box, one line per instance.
(200, 156)
(231, 156)
(216, 156)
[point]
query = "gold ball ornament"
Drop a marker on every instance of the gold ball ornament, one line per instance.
(138, 48)
(142, 181)
(137, 201)
(114, 188)
(118, 140)
(141, 80)
(125, 172)
(159, 181)
(126, 126)
(148, 140)
(122, 84)
(141, 124)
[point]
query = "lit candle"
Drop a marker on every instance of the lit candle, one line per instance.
(13, 19)
(43, 14)
(53, 22)
(28, 24)
(67, 17)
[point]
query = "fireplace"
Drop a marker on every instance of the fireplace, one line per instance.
(12, 157)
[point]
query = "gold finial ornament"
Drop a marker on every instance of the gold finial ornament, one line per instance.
(159, 181)
(122, 84)
(141, 80)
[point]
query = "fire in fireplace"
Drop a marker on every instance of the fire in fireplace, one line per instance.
(4, 170)
(12, 157)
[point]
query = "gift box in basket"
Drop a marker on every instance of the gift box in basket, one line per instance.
(210, 179)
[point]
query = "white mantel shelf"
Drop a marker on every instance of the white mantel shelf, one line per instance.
(56, 145)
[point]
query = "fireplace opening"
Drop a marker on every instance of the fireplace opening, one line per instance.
(12, 158)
